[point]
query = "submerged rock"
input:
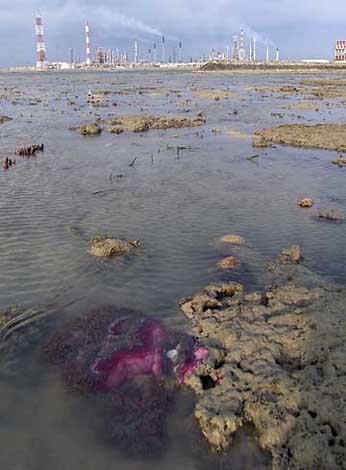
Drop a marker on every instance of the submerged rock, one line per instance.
(290, 255)
(233, 239)
(283, 369)
(109, 247)
(231, 262)
(90, 129)
(331, 215)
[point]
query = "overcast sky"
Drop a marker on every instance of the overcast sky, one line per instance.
(300, 28)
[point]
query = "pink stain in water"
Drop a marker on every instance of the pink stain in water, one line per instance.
(125, 364)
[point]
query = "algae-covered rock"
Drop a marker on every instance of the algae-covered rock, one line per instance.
(142, 123)
(90, 129)
(109, 247)
(320, 136)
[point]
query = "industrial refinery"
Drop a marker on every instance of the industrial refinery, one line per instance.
(243, 49)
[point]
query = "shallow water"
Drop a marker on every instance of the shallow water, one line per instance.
(178, 205)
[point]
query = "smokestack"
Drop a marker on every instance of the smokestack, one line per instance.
(267, 54)
(136, 52)
(163, 50)
(241, 47)
(235, 48)
(40, 44)
(180, 52)
(277, 54)
(155, 53)
(254, 49)
(87, 43)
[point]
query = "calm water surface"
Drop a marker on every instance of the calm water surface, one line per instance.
(178, 205)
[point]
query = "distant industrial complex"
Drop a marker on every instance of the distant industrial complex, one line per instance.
(243, 50)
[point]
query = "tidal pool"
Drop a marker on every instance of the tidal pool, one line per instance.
(177, 202)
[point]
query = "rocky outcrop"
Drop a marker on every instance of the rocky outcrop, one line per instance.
(278, 362)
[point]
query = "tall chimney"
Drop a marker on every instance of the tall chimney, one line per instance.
(87, 44)
(40, 44)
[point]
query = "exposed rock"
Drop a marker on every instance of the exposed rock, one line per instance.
(109, 247)
(283, 369)
(233, 239)
(306, 202)
(320, 136)
(145, 123)
(90, 129)
(231, 262)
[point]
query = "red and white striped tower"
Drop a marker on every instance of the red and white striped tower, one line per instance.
(40, 44)
(87, 44)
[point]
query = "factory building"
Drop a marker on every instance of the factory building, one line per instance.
(340, 51)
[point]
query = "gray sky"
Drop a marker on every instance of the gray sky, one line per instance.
(300, 28)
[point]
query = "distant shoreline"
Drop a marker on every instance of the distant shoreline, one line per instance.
(211, 66)
(274, 67)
